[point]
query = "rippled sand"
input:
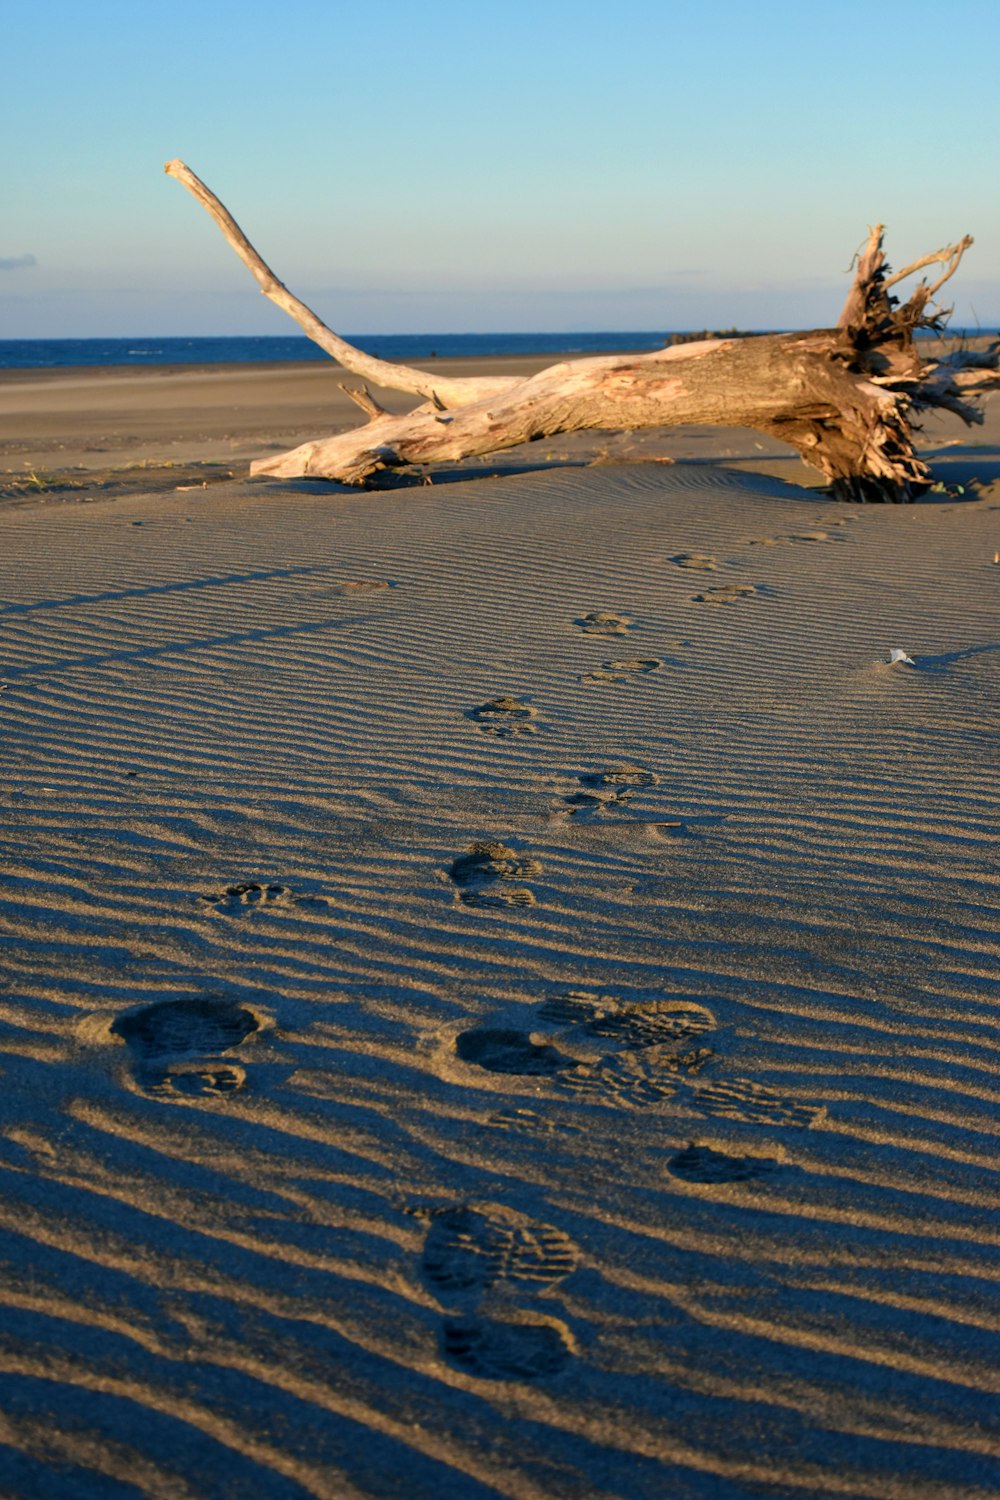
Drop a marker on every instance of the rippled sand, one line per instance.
(499, 991)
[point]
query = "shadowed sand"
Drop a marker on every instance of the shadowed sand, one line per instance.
(499, 987)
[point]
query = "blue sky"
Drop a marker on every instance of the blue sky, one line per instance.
(443, 165)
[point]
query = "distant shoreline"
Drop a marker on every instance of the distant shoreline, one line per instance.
(55, 356)
(153, 353)
(258, 369)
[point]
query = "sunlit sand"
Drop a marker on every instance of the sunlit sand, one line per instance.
(499, 976)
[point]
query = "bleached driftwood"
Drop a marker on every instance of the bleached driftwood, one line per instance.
(844, 397)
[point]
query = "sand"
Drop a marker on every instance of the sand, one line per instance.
(499, 978)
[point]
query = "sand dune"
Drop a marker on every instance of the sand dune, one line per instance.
(500, 992)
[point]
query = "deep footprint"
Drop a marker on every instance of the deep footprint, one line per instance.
(469, 1249)
(171, 1027)
(701, 1164)
(596, 806)
(755, 1104)
(726, 593)
(175, 1044)
(484, 876)
(493, 1350)
(250, 894)
(700, 562)
(621, 671)
(620, 776)
(603, 622)
(508, 1051)
(504, 717)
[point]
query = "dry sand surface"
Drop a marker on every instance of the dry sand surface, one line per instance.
(156, 415)
(499, 981)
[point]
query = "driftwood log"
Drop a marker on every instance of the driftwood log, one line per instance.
(844, 397)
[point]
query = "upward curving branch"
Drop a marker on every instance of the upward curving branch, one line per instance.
(843, 396)
(392, 376)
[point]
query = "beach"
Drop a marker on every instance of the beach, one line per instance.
(98, 418)
(110, 423)
(499, 980)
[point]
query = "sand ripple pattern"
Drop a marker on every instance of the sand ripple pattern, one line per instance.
(713, 1176)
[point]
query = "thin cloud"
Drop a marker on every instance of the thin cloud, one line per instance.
(17, 262)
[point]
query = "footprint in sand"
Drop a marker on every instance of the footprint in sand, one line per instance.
(651, 1063)
(700, 562)
(635, 1024)
(501, 1050)
(486, 872)
(755, 1104)
(250, 895)
(604, 622)
(177, 1046)
(470, 1250)
(593, 807)
(504, 717)
(528, 1349)
(795, 536)
(621, 671)
(621, 776)
(608, 791)
(726, 593)
(703, 1165)
(656, 1054)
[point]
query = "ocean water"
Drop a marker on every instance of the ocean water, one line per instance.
(404, 348)
(43, 354)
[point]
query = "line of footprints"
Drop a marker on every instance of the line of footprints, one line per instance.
(596, 1048)
(488, 1255)
(482, 1262)
(491, 874)
(506, 717)
(191, 1046)
(194, 1046)
(655, 1050)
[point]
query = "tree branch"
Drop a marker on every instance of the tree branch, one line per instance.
(364, 399)
(952, 253)
(451, 392)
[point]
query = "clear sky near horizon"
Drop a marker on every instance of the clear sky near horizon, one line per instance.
(450, 167)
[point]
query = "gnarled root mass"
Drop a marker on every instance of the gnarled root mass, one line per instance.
(844, 397)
